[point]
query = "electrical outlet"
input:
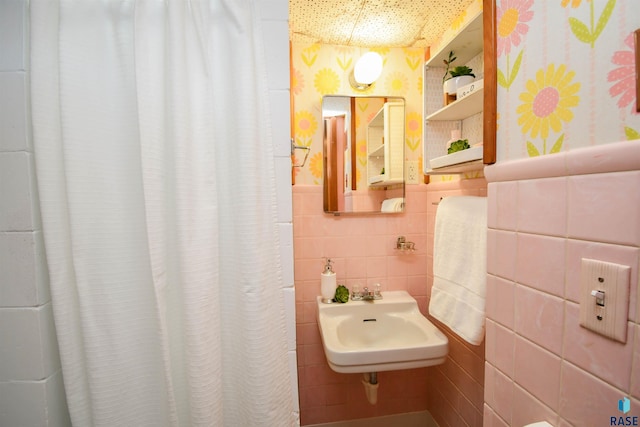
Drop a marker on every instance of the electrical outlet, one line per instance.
(412, 172)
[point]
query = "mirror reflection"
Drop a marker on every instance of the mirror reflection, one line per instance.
(363, 148)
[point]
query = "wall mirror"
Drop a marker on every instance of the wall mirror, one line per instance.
(363, 148)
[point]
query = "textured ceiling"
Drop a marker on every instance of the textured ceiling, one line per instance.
(372, 23)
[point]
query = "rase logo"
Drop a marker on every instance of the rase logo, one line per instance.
(624, 406)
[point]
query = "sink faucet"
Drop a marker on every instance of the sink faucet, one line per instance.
(368, 295)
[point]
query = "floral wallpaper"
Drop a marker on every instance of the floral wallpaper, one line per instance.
(319, 70)
(565, 75)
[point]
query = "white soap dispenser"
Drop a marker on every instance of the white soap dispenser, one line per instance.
(328, 283)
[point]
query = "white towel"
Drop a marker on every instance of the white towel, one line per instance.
(393, 205)
(460, 266)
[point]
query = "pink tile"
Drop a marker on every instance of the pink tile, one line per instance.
(310, 311)
(602, 357)
(355, 267)
(376, 267)
(313, 226)
(417, 264)
(398, 284)
(308, 247)
(537, 371)
(414, 223)
(528, 168)
(334, 248)
(314, 354)
(419, 200)
(507, 199)
(527, 409)
(585, 400)
(309, 334)
(539, 317)
(489, 384)
(624, 255)
(377, 245)
(504, 256)
(502, 399)
(614, 157)
(500, 344)
(541, 263)
(492, 205)
(635, 371)
(605, 207)
(542, 206)
(417, 285)
(500, 300)
(310, 290)
(491, 419)
(431, 222)
(307, 269)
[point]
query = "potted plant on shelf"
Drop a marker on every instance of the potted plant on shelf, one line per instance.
(448, 85)
(460, 76)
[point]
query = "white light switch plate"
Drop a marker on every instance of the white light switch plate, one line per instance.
(609, 319)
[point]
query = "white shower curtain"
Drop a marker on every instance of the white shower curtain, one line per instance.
(156, 182)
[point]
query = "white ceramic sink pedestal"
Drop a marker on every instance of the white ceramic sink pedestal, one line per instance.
(379, 335)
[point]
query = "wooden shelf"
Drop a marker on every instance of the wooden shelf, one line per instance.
(465, 45)
(461, 108)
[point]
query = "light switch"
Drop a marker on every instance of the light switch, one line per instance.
(604, 302)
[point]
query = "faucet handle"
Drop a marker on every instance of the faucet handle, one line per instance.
(356, 295)
(376, 292)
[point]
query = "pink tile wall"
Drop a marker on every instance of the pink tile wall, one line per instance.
(362, 249)
(540, 363)
(457, 386)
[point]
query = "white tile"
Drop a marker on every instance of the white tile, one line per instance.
(49, 340)
(29, 349)
(18, 196)
(22, 403)
(57, 411)
(284, 189)
(24, 277)
(280, 106)
(276, 46)
(13, 112)
(34, 403)
(12, 35)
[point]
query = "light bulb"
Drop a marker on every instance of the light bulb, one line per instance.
(368, 68)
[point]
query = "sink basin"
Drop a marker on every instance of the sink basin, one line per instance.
(380, 335)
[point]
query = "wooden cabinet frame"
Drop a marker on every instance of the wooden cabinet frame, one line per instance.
(490, 82)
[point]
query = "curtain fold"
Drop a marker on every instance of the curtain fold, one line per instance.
(155, 173)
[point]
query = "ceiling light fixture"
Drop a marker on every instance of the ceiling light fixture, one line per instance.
(366, 71)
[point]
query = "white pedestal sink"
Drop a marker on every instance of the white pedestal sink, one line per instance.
(379, 335)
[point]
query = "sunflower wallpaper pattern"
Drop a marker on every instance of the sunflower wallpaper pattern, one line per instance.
(319, 70)
(565, 75)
